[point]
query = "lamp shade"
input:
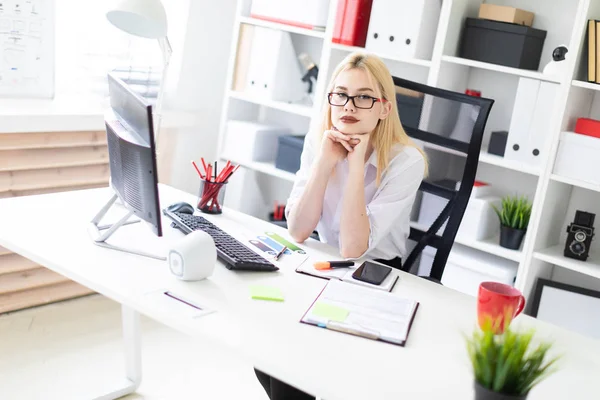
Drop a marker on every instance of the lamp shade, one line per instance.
(145, 18)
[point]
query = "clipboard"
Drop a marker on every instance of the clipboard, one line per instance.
(389, 318)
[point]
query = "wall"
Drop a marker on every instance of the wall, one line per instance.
(195, 98)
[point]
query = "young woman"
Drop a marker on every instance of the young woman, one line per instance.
(358, 177)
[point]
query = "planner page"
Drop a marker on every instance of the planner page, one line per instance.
(362, 311)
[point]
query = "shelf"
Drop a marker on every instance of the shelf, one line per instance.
(487, 158)
(298, 109)
(501, 68)
(264, 167)
(489, 245)
(586, 85)
(413, 61)
(282, 27)
(576, 182)
(554, 255)
(493, 159)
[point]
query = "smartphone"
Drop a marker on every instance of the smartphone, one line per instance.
(372, 273)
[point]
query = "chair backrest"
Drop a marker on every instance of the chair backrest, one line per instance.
(442, 121)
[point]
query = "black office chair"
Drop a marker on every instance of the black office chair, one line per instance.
(446, 122)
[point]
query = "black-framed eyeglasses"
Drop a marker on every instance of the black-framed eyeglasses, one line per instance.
(362, 101)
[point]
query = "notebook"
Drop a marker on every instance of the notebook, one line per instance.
(362, 312)
(345, 274)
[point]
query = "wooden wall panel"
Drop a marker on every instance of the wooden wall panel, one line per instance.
(37, 163)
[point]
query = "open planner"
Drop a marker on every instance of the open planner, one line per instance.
(363, 312)
(345, 274)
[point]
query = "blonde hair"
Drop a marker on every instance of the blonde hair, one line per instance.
(389, 131)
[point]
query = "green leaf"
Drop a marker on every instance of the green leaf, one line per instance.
(508, 363)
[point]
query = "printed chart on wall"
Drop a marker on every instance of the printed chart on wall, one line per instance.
(27, 48)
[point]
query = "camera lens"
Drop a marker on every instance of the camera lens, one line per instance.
(577, 248)
(580, 236)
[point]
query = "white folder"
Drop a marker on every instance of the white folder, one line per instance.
(517, 141)
(274, 70)
(403, 28)
(528, 136)
(539, 134)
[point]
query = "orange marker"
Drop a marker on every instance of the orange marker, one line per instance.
(322, 265)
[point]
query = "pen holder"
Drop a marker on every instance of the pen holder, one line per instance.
(210, 197)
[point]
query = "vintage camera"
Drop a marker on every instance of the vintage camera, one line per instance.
(580, 234)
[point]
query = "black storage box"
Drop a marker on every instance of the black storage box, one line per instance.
(288, 153)
(497, 144)
(409, 109)
(502, 43)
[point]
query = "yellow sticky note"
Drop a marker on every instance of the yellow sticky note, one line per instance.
(329, 311)
(270, 293)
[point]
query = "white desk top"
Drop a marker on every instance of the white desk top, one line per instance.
(51, 229)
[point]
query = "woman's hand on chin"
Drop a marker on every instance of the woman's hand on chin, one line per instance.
(360, 149)
(336, 146)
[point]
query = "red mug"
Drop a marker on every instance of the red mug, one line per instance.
(497, 305)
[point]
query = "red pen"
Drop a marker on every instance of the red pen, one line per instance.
(230, 173)
(197, 169)
(204, 165)
(224, 172)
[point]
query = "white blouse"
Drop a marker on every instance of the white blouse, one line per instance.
(388, 206)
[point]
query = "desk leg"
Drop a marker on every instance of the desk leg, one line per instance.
(133, 355)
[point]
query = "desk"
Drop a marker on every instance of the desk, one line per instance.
(52, 230)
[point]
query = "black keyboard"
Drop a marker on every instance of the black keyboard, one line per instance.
(231, 251)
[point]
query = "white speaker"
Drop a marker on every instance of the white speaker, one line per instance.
(193, 258)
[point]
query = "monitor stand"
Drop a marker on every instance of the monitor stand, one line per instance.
(99, 237)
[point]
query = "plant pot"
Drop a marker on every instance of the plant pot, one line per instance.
(511, 238)
(482, 393)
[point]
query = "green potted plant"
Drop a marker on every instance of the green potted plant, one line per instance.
(514, 218)
(507, 366)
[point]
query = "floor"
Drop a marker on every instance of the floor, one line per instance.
(63, 350)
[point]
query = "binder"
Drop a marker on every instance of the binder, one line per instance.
(521, 120)
(591, 51)
(530, 123)
(352, 22)
(274, 71)
(538, 138)
(362, 312)
(403, 28)
(243, 56)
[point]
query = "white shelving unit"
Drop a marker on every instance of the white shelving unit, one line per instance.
(488, 245)
(555, 198)
(586, 85)
(283, 27)
(500, 68)
(298, 109)
(554, 255)
(389, 57)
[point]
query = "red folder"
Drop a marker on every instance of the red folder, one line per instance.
(588, 126)
(352, 22)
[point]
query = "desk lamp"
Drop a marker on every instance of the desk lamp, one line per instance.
(147, 19)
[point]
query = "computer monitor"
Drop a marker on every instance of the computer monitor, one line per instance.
(131, 151)
(132, 157)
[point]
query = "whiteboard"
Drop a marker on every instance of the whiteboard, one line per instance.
(27, 48)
